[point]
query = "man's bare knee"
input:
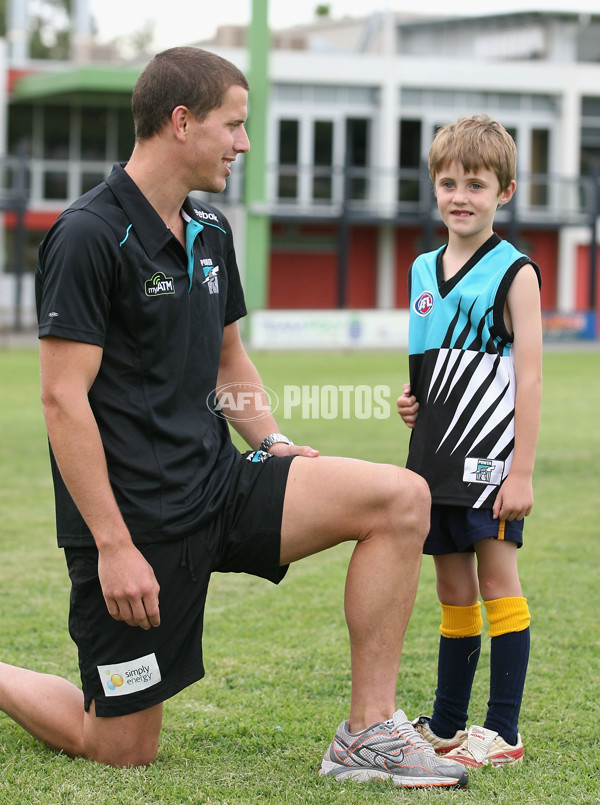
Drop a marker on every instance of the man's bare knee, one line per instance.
(123, 740)
(131, 758)
(404, 505)
(413, 505)
(421, 500)
(141, 753)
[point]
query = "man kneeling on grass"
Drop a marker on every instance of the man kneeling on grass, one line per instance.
(138, 302)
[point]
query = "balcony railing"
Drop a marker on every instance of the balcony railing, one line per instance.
(364, 193)
(376, 193)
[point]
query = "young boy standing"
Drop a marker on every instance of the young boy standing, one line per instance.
(475, 355)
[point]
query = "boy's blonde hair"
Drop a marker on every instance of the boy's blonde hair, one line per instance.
(475, 142)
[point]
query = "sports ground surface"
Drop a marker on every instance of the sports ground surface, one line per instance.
(277, 683)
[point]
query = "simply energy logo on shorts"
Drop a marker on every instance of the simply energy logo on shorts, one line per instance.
(122, 678)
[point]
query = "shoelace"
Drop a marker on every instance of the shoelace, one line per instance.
(464, 750)
(406, 729)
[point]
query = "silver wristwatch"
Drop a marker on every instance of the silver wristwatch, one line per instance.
(272, 439)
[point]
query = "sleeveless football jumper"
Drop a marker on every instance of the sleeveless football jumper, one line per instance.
(462, 374)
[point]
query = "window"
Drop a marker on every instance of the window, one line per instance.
(55, 185)
(93, 134)
(330, 94)
(540, 142)
(88, 138)
(494, 103)
(20, 129)
(357, 148)
(90, 179)
(322, 160)
(287, 186)
(590, 136)
(590, 107)
(57, 126)
(125, 135)
(409, 160)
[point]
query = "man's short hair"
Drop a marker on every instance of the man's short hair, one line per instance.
(181, 76)
(475, 142)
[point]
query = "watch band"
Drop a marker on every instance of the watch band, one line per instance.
(272, 439)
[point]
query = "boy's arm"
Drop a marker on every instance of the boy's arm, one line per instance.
(515, 498)
(407, 406)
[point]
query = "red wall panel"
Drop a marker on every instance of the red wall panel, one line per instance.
(304, 272)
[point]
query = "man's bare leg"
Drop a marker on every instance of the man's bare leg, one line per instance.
(328, 501)
(386, 509)
(51, 709)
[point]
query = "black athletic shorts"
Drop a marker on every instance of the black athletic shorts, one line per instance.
(455, 529)
(124, 668)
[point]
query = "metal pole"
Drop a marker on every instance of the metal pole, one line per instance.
(20, 205)
(428, 205)
(344, 236)
(258, 222)
(513, 223)
(594, 237)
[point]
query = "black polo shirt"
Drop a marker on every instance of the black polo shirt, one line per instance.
(110, 273)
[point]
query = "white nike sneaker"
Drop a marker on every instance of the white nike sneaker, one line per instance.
(390, 750)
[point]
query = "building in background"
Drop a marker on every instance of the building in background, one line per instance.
(354, 105)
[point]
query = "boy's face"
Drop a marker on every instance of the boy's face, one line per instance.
(468, 201)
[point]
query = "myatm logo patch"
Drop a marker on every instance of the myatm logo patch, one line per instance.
(159, 284)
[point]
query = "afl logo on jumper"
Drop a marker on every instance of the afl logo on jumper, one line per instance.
(424, 304)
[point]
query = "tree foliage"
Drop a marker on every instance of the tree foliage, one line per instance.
(50, 29)
(49, 23)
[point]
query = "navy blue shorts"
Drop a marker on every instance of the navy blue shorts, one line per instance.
(124, 668)
(455, 529)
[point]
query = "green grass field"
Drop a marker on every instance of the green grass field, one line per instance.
(255, 729)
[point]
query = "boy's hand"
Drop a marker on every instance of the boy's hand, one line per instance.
(408, 407)
(515, 498)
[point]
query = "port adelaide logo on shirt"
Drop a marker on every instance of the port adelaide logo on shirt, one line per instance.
(211, 280)
(159, 285)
